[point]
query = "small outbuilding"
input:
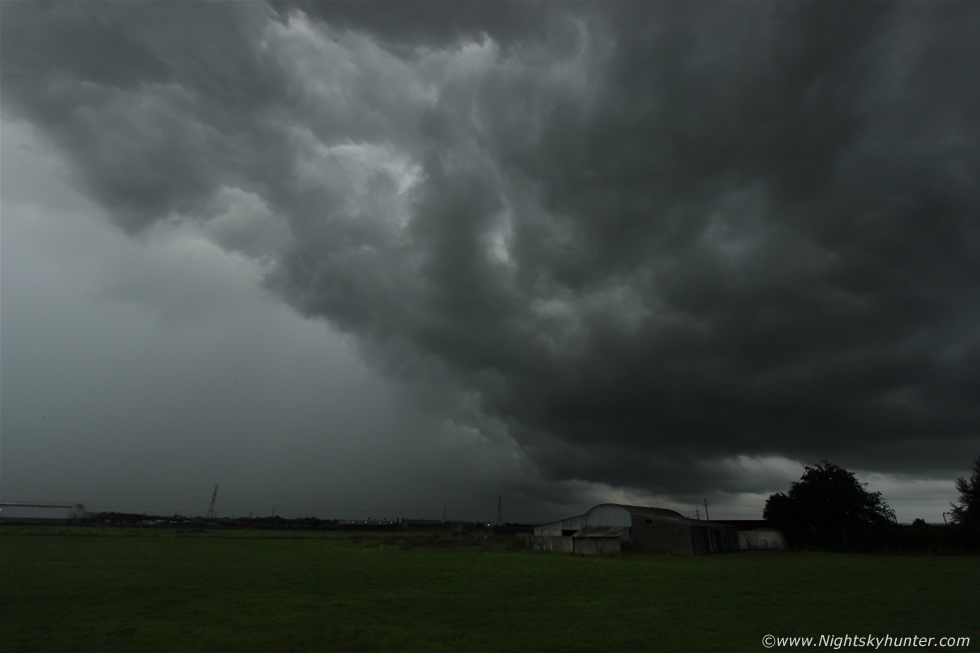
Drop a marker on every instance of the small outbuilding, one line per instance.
(762, 539)
(615, 528)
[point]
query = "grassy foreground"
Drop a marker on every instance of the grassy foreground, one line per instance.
(111, 593)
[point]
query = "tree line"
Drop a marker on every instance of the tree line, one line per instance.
(830, 508)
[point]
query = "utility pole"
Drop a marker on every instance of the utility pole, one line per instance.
(706, 510)
(697, 513)
(211, 507)
(500, 512)
(443, 515)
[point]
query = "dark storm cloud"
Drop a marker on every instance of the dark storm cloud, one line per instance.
(636, 238)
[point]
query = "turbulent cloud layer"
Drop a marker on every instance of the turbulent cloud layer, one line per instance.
(638, 240)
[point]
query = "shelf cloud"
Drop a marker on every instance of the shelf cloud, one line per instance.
(640, 245)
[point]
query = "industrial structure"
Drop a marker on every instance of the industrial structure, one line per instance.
(615, 528)
(211, 514)
(41, 513)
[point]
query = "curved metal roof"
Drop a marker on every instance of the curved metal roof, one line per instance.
(646, 511)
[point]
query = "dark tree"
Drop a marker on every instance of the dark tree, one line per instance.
(967, 514)
(828, 506)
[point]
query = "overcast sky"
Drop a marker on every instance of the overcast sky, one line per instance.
(370, 259)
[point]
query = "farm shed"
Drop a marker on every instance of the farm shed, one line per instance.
(40, 513)
(614, 528)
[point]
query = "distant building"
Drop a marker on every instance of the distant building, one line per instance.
(40, 513)
(614, 528)
(365, 523)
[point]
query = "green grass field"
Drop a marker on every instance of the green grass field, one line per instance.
(432, 593)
